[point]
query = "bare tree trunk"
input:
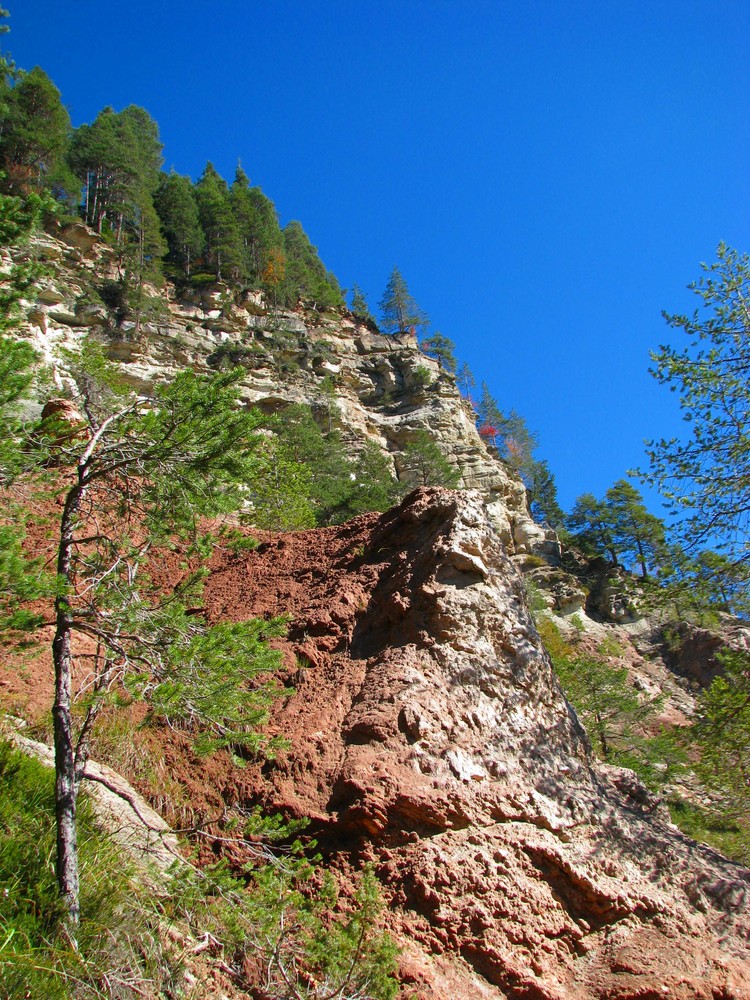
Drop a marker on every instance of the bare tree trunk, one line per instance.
(642, 559)
(66, 779)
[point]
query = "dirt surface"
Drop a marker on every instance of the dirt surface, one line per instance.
(429, 736)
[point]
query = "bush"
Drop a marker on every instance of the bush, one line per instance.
(718, 830)
(279, 929)
(615, 716)
(422, 377)
(117, 940)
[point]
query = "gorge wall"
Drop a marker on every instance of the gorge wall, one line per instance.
(386, 389)
(430, 738)
(428, 733)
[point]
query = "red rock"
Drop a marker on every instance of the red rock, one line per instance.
(430, 734)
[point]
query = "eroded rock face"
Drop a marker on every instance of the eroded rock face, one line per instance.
(428, 732)
(691, 651)
(386, 389)
(429, 736)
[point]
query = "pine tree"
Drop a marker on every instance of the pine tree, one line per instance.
(22, 577)
(465, 380)
(518, 444)
(638, 535)
(258, 225)
(220, 228)
(442, 348)
(604, 698)
(542, 494)
(590, 522)
(620, 526)
(721, 735)
(117, 159)
(399, 310)
(359, 306)
(489, 416)
(34, 137)
(142, 258)
(426, 465)
(177, 208)
(306, 276)
(373, 486)
(706, 477)
(143, 471)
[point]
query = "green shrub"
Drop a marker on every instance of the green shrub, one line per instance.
(615, 715)
(422, 377)
(117, 940)
(533, 561)
(534, 598)
(717, 829)
(236, 540)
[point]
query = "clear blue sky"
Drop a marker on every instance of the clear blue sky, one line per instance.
(547, 175)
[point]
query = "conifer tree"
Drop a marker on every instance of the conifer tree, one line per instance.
(425, 463)
(306, 276)
(489, 416)
(21, 578)
(590, 522)
(178, 211)
(465, 380)
(220, 229)
(638, 535)
(258, 225)
(143, 470)
(722, 735)
(706, 476)
(373, 486)
(399, 310)
(117, 159)
(359, 306)
(142, 256)
(34, 137)
(508, 432)
(442, 348)
(620, 526)
(542, 494)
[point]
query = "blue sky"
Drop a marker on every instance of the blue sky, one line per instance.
(546, 175)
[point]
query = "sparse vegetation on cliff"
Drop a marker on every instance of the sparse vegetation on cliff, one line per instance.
(127, 477)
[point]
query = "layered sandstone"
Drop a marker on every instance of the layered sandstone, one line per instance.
(385, 389)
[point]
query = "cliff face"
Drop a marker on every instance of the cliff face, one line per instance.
(386, 389)
(428, 733)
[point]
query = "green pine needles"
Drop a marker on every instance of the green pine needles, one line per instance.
(276, 931)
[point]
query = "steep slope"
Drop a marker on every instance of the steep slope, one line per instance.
(386, 389)
(428, 732)
(430, 736)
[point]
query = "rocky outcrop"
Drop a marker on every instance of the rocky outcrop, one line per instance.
(429, 735)
(384, 388)
(692, 651)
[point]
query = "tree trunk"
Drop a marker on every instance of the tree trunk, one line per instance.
(66, 786)
(66, 780)
(642, 559)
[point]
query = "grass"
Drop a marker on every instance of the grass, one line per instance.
(264, 917)
(715, 829)
(118, 948)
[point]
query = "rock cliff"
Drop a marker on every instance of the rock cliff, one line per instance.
(429, 736)
(428, 733)
(386, 390)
